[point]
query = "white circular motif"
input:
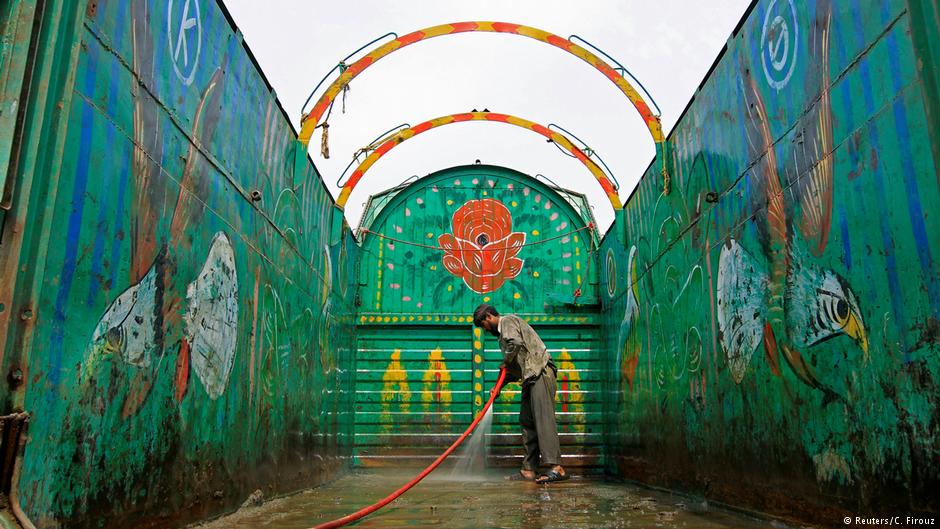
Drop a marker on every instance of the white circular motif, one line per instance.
(178, 37)
(778, 43)
(611, 273)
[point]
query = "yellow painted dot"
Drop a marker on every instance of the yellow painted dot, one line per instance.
(437, 318)
(514, 203)
(363, 319)
(477, 358)
(477, 344)
(430, 235)
(371, 318)
(450, 202)
(420, 318)
(516, 295)
(478, 400)
(478, 373)
(575, 238)
(411, 318)
(577, 265)
(433, 267)
(450, 288)
(577, 250)
(535, 274)
(446, 318)
(579, 279)
(535, 232)
(485, 193)
(477, 332)
(394, 319)
(386, 319)
(486, 299)
(478, 387)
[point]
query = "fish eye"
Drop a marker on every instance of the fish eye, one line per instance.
(842, 310)
(483, 240)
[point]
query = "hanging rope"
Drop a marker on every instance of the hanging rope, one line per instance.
(342, 68)
(375, 144)
(485, 248)
(587, 269)
(325, 140)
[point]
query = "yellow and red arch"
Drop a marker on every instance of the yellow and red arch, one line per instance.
(309, 121)
(411, 132)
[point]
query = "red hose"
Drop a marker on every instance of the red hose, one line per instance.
(391, 497)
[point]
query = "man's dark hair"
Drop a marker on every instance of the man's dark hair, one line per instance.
(480, 314)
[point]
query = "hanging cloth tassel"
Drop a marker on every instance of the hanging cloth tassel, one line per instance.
(324, 141)
(342, 70)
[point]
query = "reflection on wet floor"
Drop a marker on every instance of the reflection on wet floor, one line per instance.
(485, 501)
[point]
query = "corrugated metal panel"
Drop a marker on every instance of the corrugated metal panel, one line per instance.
(19, 42)
(771, 315)
(414, 391)
(168, 327)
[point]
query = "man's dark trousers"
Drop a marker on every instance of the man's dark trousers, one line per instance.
(537, 417)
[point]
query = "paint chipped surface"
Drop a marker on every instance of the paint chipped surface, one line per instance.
(211, 318)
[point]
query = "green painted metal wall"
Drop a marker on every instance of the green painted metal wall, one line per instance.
(423, 372)
(771, 325)
(177, 292)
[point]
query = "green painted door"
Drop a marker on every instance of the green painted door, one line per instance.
(419, 387)
(423, 371)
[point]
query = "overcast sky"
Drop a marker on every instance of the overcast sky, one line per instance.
(669, 45)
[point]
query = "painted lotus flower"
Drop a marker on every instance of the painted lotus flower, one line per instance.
(482, 250)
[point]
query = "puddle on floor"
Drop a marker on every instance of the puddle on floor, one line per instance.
(485, 501)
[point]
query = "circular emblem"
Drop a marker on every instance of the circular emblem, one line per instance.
(611, 273)
(184, 36)
(778, 42)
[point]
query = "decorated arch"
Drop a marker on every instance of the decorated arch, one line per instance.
(411, 132)
(311, 120)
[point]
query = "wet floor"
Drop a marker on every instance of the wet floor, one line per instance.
(486, 501)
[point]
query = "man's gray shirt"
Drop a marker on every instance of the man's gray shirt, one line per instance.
(524, 353)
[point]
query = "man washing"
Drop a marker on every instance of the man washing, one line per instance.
(527, 360)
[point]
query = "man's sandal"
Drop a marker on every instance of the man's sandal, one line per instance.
(551, 476)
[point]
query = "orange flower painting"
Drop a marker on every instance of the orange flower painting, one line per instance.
(483, 248)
